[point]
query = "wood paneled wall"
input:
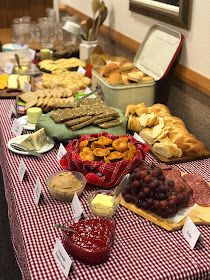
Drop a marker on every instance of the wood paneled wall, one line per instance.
(10, 9)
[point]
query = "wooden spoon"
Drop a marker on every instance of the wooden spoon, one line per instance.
(95, 7)
(100, 20)
(86, 25)
(96, 4)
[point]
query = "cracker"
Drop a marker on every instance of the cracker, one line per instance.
(110, 124)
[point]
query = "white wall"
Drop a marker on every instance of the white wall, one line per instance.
(196, 51)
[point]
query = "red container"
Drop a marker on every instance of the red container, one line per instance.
(92, 242)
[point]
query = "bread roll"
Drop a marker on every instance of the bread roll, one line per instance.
(115, 79)
(110, 68)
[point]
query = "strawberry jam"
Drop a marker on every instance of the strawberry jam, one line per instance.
(91, 244)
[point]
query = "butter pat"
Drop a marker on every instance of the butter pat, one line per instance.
(34, 114)
(102, 204)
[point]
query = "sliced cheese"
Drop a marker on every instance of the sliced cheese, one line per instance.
(22, 79)
(13, 82)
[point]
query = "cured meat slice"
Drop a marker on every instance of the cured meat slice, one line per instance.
(201, 190)
(179, 183)
(164, 166)
(172, 173)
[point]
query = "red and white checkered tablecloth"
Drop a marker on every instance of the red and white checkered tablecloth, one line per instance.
(141, 250)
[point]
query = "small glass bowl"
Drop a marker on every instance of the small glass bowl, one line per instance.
(66, 195)
(99, 209)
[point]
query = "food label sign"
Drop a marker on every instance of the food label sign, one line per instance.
(17, 128)
(76, 208)
(61, 152)
(21, 170)
(37, 191)
(62, 258)
(190, 232)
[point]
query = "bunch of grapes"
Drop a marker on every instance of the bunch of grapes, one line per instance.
(149, 190)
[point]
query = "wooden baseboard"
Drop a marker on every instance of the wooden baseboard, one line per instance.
(185, 74)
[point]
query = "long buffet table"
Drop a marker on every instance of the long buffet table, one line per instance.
(141, 249)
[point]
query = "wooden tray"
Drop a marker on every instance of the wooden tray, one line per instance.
(199, 215)
(4, 94)
(12, 94)
(176, 160)
(169, 226)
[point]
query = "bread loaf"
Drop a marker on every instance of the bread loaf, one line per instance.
(165, 132)
(167, 149)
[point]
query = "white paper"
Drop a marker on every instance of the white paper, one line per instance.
(138, 138)
(12, 111)
(61, 152)
(21, 170)
(37, 191)
(27, 86)
(17, 128)
(88, 90)
(81, 70)
(181, 214)
(32, 53)
(76, 208)
(9, 68)
(63, 260)
(190, 232)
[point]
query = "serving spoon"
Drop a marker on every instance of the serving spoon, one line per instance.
(62, 227)
(18, 61)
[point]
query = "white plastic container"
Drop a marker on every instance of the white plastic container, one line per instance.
(86, 48)
(155, 57)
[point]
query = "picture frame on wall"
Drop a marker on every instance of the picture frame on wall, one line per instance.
(175, 12)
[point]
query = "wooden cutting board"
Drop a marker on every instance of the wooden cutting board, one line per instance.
(182, 159)
(199, 215)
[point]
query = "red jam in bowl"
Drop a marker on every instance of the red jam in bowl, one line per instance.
(91, 244)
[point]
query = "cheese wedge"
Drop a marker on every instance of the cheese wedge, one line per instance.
(35, 141)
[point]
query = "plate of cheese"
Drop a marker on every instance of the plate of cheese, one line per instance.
(37, 141)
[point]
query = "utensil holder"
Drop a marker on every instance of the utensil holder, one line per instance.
(86, 48)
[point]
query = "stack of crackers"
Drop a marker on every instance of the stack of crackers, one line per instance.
(88, 112)
(48, 99)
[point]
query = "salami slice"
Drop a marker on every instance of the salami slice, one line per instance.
(179, 183)
(164, 166)
(201, 190)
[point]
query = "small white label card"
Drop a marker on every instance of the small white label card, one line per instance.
(27, 86)
(37, 191)
(88, 90)
(81, 70)
(61, 152)
(138, 138)
(62, 259)
(12, 111)
(76, 208)
(17, 128)
(190, 232)
(9, 68)
(21, 170)
(32, 53)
